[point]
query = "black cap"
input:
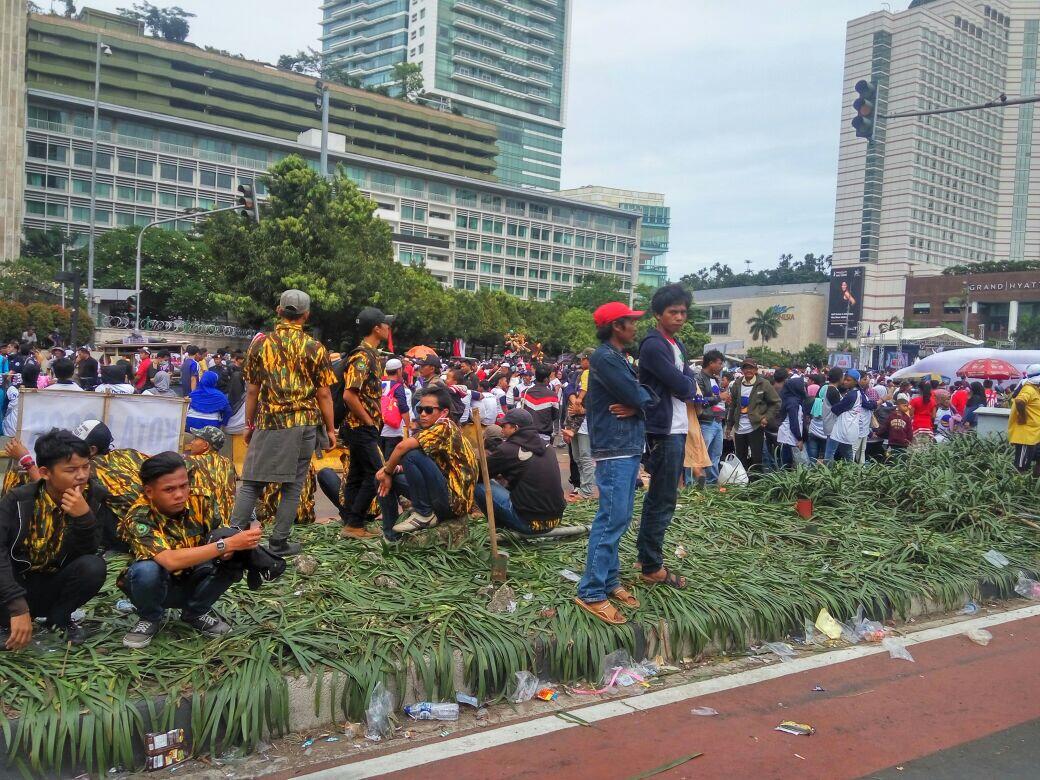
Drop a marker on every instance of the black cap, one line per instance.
(369, 317)
(518, 417)
(431, 360)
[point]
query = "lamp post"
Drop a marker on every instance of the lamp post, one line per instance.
(101, 48)
(75, 279)
(322, 104)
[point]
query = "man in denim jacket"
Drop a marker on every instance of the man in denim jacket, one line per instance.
(615, 407)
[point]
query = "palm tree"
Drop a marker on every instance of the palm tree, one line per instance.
(765, 324)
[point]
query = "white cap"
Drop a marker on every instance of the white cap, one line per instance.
(902, 398)
(84, 428)
(393, 364)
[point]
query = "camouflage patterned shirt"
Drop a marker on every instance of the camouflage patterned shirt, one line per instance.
(444, 444)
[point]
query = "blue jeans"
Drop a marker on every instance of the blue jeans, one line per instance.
(153, 590)
(664, 462)
(505, 515)
(713, 437)
(423, 484)
(837, 451)
(616, 480)
(815, 448)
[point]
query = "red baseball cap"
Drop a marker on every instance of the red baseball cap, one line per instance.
(614, 310)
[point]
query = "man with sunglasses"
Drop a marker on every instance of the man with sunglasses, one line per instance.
(436, 471)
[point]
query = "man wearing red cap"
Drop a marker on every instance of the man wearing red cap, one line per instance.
(615, 409)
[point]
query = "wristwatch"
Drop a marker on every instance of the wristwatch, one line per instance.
(221, 545)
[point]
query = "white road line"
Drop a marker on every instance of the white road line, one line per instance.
(504, 735)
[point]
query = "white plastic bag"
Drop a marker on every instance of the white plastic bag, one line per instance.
(732, 471)
(527, 686)
(896, 649)
(380, 705)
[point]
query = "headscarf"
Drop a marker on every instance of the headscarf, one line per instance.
(205, 397)
(793, 395)
(977, 397)
(161, 384)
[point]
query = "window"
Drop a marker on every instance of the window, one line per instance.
(124, 193)
(167, 199)
(103, 190)
(80, 214)
(59, 210)
(719, 329)
(224, 181)
(127, 165)
(145, 196)
(123, 219)
(81, 186)
(922, 308)
(185, 201)
(146, 168)
(168, 171)
(207, 178)
(185, 175)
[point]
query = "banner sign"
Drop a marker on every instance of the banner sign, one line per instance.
(846, 303)
(148, 423)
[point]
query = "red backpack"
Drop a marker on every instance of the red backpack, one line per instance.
(388, 407)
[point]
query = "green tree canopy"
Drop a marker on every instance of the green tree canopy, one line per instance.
(765, 324)
(170, 23)
(811, 268)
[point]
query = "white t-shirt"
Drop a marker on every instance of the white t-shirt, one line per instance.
(11, 418)
(72, 386)
(489, 408)
(120, 389)
(680, 421)
(398, 432)
(744, 425)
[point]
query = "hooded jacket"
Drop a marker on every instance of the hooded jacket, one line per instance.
(658, 371)
(532, 474)
(82, 537)
(543, 404)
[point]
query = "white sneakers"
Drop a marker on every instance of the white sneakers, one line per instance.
(415, 522)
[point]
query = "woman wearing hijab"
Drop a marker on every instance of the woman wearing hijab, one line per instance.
(793, 432)
(161, 385)
(977, 398)
(113, 380)
(208, 406)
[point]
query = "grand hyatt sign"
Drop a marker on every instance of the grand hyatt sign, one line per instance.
(1003, 286)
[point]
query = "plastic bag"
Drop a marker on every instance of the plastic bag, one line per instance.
(1027, 588)
(830, 627)
(377, 716)
(781, 649)
(896, 649)
(704, 712)
(980, 636)
(527, 686)
(867, 630)
(996, 559)
(620, 669)
(732, 471)
(810, 634)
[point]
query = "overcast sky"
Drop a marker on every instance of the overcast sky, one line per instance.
(731, 108)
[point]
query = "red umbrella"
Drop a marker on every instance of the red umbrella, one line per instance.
(989, 368)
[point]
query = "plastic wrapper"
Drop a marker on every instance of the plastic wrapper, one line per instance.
(620, 670)
(867, 630)
(896, 649)
(704, 712)
(781, 649)
(1027, 588)
(527, 686)
(830, 627)
(377, 716)
(995, 558)
(980, 636)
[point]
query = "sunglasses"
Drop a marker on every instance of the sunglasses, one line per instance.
(428, 409)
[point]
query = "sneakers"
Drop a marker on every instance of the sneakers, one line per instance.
(208, 624)
(284, 547)
(354, 532)
(416, 522)
(141, 635)
(75, 633)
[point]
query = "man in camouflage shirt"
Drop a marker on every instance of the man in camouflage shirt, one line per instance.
(212, 474)
(288, 416)
(363, 394)
(174, 564)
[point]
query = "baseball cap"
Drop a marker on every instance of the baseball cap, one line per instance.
(749, 363)
(95, 433)
(294, 303)
(518, 417)
(431, 360)
(493, 432)
(1033, 369)
(853, 373)
(614, 310)
(902, 398)
(211, 434)
(370, 316)
(393, 364)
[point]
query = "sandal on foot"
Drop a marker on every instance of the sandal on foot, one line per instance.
(671, 579)
(622, 596)
(604, 610)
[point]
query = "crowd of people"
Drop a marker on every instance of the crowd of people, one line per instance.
(414, 433)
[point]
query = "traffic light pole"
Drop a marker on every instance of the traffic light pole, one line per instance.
(999, 103)
(137, 259)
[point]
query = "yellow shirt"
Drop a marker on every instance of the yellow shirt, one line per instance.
(289, 366)
(1029, 431)
(444, 445)
(45, 534)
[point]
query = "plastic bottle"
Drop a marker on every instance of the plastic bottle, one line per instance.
(437, 710)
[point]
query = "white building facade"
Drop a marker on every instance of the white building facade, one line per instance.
(929, 193)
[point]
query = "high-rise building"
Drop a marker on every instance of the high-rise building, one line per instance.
(502, 61)
(928, 193)
(657, 220)
(181, 128)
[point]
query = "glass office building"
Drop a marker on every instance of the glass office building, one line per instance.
(501, 61)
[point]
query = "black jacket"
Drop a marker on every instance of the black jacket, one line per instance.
(81, 538)
(532, 474)
(658, 372)
(711, 398)
(543, 404)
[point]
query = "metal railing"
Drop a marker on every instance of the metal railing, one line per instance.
(177, 326)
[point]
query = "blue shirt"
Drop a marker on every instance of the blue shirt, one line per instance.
(189, 369)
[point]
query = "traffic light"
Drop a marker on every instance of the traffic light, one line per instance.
(247, 202)
(864, 107)
(131, 305)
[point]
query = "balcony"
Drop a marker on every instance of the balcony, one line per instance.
(465, 74)
(469, 41)
(492, 65)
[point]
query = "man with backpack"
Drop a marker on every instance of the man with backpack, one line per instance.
(361, 430)
(394, 407)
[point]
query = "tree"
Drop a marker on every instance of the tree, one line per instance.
(409, 76)
(811, 268)
(170, 23)
(813, 355)
(70, 9)
(312, 63)
(1028, 334)
(178, 276)
(592, 292)
(765, 325)
(770, 358)
(577, 331)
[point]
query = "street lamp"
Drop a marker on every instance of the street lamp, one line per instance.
(75, 279)
(101, 48)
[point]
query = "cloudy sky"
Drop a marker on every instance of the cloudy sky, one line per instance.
(731, 108)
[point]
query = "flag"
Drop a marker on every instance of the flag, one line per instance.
(390, 341)
(458, 348)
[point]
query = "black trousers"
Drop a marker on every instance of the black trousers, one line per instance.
(56, 595)
(387, 444)
(366, 459)
(749, 449)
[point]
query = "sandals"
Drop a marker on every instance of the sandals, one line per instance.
(604, 610)
(622, 596)
(671, 579)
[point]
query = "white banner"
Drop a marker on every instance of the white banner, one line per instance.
(151, 424)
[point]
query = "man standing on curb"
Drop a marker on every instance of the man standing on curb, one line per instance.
(712, 410)
(662, 368)
(288, 416)
(363, 393)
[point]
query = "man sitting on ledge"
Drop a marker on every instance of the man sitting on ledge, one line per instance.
(532, 502)
(438, 471)
(167, 531)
